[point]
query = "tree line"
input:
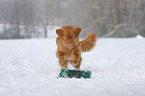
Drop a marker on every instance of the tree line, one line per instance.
(108, 18)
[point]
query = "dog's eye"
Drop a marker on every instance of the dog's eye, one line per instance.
(76, 34)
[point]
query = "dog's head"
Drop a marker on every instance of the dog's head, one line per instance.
(69, 35)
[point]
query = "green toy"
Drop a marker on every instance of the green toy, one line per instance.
(66, 73)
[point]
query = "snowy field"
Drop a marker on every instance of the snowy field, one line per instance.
(30, 68)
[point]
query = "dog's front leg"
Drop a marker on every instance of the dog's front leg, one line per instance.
(62, 61)
(77, 60)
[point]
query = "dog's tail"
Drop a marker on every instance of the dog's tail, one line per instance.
(88, 43)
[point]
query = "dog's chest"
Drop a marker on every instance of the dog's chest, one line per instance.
(69, 56)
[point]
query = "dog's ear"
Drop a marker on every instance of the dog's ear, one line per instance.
(59, 32)
(77, 30)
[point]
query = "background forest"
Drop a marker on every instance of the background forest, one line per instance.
(108, 18)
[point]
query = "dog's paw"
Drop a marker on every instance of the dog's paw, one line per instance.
(77, 68)
(75, 63)
(63, 66)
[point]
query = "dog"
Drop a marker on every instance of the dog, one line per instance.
(69, 47)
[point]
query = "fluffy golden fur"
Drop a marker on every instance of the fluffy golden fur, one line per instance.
(69, 47)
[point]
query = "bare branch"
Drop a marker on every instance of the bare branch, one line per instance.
(114, 30)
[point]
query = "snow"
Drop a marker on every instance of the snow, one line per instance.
(139, 37)
(30, 67)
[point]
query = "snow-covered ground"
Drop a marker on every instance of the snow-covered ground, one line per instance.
(30, 68)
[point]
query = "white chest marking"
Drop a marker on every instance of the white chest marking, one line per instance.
(69, 57)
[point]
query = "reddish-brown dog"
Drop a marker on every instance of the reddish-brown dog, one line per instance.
(69, 47)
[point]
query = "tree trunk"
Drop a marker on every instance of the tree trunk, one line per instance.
(45, 31)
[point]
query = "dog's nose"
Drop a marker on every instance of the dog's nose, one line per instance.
(70, 45)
